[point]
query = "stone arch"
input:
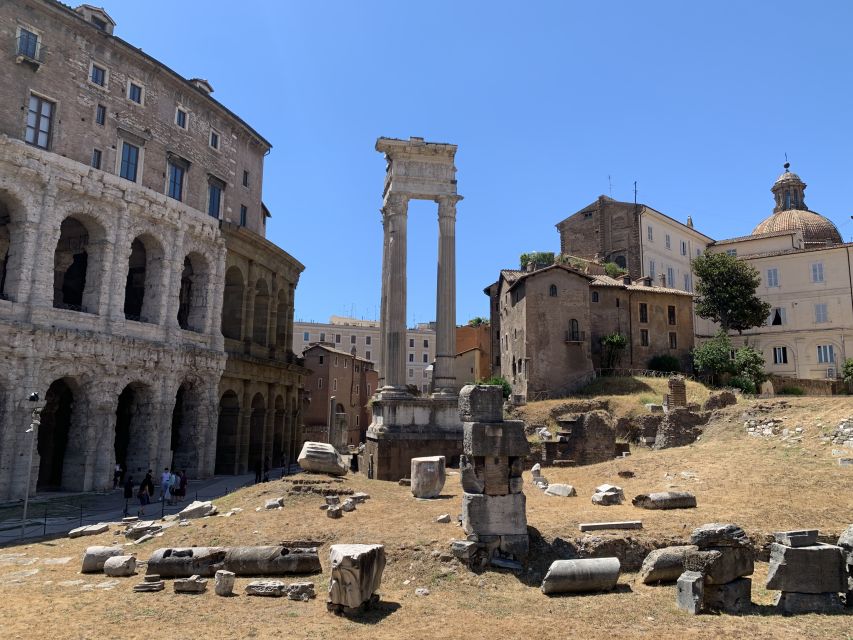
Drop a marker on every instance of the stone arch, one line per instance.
(232, 304)
(143, 287)
(260, 330)
(227, 432)
(257, 421)
(135, 426)
(620, 262)
(77, 262)
(282, 317)
(61, 438)
(278, 432)
(192, 296)
(185, 443)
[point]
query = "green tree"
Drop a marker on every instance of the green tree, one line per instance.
(476, 321)
(506, 389)
(847, 371)
(614, 344)
(713, 357)
(537, 258)
(614, 270)
(749, 364)
(726, 292)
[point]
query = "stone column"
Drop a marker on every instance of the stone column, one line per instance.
(393, 322)
(444, 380)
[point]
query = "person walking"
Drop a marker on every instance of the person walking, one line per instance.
(164, 482)
(148, 484)
(143, 494)
(182, 484)
(117, 473)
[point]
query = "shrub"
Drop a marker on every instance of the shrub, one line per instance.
(502, 383)
(614, 344)
(614, 270)
(847, 371)
(749, 363)
(743, 383)
(713, 356)
(665, 363)
(791, 391)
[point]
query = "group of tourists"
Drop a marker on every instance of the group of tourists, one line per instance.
(173, 488)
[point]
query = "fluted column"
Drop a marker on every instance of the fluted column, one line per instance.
(444, 379)
(393, 322)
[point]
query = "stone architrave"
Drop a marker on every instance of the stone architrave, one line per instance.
(356, 573)
(428, 476)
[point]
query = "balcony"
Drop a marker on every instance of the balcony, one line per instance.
(29, 50)
(573, 337)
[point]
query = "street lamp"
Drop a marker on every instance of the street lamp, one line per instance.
(35, 421)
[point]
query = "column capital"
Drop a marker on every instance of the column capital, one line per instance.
(394, 204)
(447, 204)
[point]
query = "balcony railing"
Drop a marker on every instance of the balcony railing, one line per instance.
(575, 336)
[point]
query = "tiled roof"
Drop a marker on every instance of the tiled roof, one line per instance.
(607, 281)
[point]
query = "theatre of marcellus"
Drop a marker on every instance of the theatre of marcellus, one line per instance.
(138, 294)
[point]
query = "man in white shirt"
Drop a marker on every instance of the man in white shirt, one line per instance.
(164, 482)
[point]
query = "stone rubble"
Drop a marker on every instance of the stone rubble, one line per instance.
(274, 503)
(223, 584)
(120, 566)
(428, 476)
(198, 509)
(665, 500)
(321, 457)
(664, 565)
(562, 490)
(356, 573)
(193, 584)
(608, 494)
(89, 530)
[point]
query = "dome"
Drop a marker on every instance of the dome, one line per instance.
(788, 176)
(817, 230)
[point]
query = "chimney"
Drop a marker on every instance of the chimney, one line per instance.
(662, 280)
(690, 221)
(202, 85)
(646, 281)
(626, 280)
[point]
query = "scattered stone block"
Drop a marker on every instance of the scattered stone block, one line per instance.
(719, 535)
(601, 526)
(562, 490)
(845, 462)
(463, 550)
(185, 562)
(731, 597)
(577, 576)
(665, 500)
(356, 573)
(816, 569)
(480, 403)
(197, 509)
(272, 560)
(359, 497)
(722, 564)
(302, 591)
(444, 518)
(428, 476)
(802, 538)
(608, 494)
(405, 482)
(224, 583)
(664, 565)
(791, 602)
(334, 511)
(120, 566)
(274, 503)
(321, 457)
(149, 587)
(494, 515)
(348, 505)
(95, 557)
(89, 530)
(266, 588)
(332, 500)
(142, 528)
(193, 584)
(151, 577)
(690, 592)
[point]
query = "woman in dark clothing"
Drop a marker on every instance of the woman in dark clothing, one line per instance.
(128, 488)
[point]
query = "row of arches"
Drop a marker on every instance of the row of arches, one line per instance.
(269, 321)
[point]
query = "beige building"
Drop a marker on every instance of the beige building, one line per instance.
(806, 277)
(361, 338)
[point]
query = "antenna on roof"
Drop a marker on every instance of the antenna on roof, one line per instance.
(610, 184)
(787, 164)
(635, 193)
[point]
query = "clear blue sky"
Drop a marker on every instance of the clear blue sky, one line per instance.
(697, 102)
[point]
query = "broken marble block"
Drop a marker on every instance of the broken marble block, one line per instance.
(720, 565)
(577, 576)
(95, 557)
(266, 588)
(120, 566)
(197, 509)
(356, 573)
(690, 592)
(819, 568)
(481, 403)
(224, 583)
(801, 538)
(494, 515)
(321, 457)
(272, 560)
(185, 562)
(137, 530)
(428, 476)
(89, 530)
(562, 490)
(608, 494)
(719, 535)
(731, 597)
(790, 602)
(303, 591)
(193, 584)
(274, 503)
(664, 565)
(665, 500)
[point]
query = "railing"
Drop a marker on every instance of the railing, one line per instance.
(644, 373)
(575, 336)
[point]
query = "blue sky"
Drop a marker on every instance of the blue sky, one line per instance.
(697, 102)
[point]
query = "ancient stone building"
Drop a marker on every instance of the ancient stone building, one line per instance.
(115, 177)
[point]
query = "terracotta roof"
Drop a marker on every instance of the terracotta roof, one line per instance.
(526, 274)
(335, 351)
(817, 230)
(607, 281)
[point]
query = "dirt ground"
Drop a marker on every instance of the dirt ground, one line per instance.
(762, 484)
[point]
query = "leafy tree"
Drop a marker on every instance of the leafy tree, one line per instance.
(614, 344)
(477, 321)
(713, 356)
(502, 383)
(665, 363)
(726, 292)
(537, 258)
(614, 270)
(749, 364)
(847, 371)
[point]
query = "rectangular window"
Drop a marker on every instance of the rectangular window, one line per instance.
(426, 344)
(426, 374)
(773, 277)
(244, 212)
(780, 355)
(245, 178)
(673, 340)
(345, 363)
(670, 277)
(306, 336)
(357, 420)
(820, 313)
(214, 139)
(336, 357)
(731, 252)
(319, 383)
(323, 339)
(652, 269)
(687, 282)
(644, 337)
(321, 359)
(181, 118)
(176, 181)
(644, 312)
(337, 338)
(411, 373)
(411, 357)
(334, 384)
(683, 248)
(357, 387)
(129, 161)
(134, 92)
(668, 242)
(649, 233)
(411, 343)
(98, 75)
(426, 358)
(28, 44)
(214, 199)
(39, 121)
(367, 339)
(100, 114)
(817, 272)
(367, 355)
(96, 158)
(368, 390)
(825, 354)
(670, 314)
(100, 24)
(777, 317)
(352, 339)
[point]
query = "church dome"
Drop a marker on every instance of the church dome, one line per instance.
(791, 213)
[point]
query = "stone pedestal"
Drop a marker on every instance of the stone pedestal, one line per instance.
(356, 573)
(428, 476)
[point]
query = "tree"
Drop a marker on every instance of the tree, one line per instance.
(749, 364)
(726, 292)
(713, 356)
(538, 259)
(498, 381)
(477, 321)
(613, 344)
(614, 270)
(847, 371)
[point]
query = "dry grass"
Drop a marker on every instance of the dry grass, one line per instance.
(762, 485)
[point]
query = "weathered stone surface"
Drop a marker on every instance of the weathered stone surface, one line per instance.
(719, 400)
(95, 557)
(332, 500)
(845, 541)
(494, 515)
(185, 562)
(428, 476)
(272, 560)
(89, 530)
(801, 538)
(321, 457)
(193, 584)
(224, 583)
(608, 494)
(731, 597)
(721, 564)
(664, 565)
(573, 576)
(816, 569)
(348, 506)
(516, 545)
(463, 549)
(562, 490)
(266, 588)
(719, 535)
(120, 566)
(444, 518)
(302, 591)
(502, 439)
(665, 500)
(602, 526)
(334, 511)
(481, 403)
(680, 427)
(473, 474)
(198, 509)
(791, 602)
(274, 503)
(149, 587)
(356, 573)
(359, 497)
(142, 528)
(690, 592)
